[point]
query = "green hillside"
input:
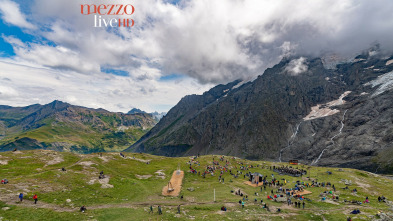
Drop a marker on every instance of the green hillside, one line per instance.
(132, 185)
(64, 127)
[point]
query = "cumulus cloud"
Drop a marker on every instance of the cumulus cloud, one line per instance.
(297, 66)
(28, 83)
(11, 14)
(219, 41)
(208, 41)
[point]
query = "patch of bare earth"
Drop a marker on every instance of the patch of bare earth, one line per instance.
(105, 183)
(140, 160)
(143, 177)
(56, 160)
(331, 202)
(160, 174)
(176, 183)
(367, 187)
(105, 159)
(86, 163)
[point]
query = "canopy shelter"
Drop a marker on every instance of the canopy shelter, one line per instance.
(256, 177)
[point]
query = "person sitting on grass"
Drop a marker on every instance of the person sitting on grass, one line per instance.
(223, 208)
(356, 211)
(83, 209)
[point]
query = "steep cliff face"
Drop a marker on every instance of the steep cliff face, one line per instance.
(271, 117)
(360, 135)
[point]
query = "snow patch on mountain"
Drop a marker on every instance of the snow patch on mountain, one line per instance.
(239, 84)
(389, 62)
(385, 83)
(358, 60)
(324, 110)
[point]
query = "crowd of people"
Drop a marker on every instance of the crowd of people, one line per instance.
(288, 170)
(279, 188)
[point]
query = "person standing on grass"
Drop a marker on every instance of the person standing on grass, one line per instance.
(178, 209)
(304, 204)
(21, 197)
(151, 209)
(35, 198)
(159, 210)
(242, 204)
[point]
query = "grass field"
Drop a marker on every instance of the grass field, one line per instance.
(134, 185)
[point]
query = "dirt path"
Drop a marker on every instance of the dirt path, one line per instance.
(42, 205)
(59, 208)
(176, 181)
(253, 184)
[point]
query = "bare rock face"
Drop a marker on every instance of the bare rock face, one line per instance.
(271, 117)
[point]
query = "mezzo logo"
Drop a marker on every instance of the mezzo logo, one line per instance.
(110, 9)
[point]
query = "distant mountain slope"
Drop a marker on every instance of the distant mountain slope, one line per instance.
(65, 127)
(136, 111)
(264, 119)
(155, 114)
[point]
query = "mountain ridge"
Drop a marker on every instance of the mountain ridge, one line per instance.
(256, 120)
(65, 127)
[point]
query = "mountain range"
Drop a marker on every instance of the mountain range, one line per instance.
(65, 127)
(156, 115)
(301, 109)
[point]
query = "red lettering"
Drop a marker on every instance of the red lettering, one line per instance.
(99, 9)
(132, 23)
(117, 13)
(88, 9)
(124, 22)
(110, 10)
(132, 9)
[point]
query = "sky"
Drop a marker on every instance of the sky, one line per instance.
(49, 50)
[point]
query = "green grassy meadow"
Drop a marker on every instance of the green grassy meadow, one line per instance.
(130, 193)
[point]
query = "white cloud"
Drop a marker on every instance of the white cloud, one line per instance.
(11, 14)
(297, 66)
(7, 92)
(207, 41)
(29, 84)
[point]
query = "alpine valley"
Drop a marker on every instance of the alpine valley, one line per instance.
(64, 127)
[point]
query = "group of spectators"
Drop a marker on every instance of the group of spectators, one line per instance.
(289, 171)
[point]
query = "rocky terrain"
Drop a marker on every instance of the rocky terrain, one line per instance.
(299, 109)
(156, 115)
(64, 127)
